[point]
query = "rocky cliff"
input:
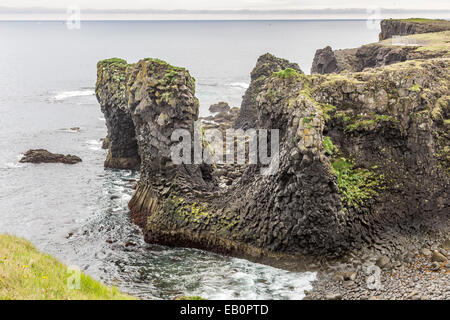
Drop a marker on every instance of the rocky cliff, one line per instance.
(386, 52)
(110, 90)
(265, 66)
(404, 27)
(363, 159)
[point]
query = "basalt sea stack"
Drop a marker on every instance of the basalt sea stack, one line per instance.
(111, 94)
(363, 157)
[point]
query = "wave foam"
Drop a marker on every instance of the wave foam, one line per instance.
(72, 94)
(243, 85)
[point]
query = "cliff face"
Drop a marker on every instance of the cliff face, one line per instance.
(325, 61)
(295, 211)
(403, 27)
(386, 52)
(111, 94)
(265, 66)
(363, 159)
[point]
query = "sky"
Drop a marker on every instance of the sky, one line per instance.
(221, 9)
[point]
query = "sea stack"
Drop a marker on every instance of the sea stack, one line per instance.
(363, 158)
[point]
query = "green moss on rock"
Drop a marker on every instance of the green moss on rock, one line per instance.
(355, 184)
(287, 73)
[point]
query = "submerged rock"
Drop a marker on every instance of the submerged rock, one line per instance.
(44, 156)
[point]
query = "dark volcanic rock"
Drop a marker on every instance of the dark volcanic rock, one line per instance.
(110, 90)
(266, 65)
(219, 107)
(363, 159)
(44, 156)
(388, 52)
(324, 61)
(354, 60)
(403, 27)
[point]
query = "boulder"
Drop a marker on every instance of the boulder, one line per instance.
(438, 257)
(383, 262)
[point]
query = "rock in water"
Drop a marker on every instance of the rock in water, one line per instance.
(110, 88)
(44, 156)
(266, 65)
(219, 107)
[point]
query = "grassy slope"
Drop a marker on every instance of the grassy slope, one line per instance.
(27, 274)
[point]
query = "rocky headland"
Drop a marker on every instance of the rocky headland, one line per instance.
(424, 40)
(363, 165)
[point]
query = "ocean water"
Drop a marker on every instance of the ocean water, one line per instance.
(47, 80)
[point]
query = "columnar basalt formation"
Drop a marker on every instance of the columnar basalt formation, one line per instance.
(363, 158)
(259, 213)
(265, 66)
(111, 94)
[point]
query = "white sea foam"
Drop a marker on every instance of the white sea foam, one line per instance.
(243, 85)
(12, 165)
(71, 94)
(241, 279)
(94, 144)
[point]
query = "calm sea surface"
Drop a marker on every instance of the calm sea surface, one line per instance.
(47, 79)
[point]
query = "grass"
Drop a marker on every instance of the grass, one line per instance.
(435, 42)
(287, 73)
(355, 184)
(329, 147)
(27, 274)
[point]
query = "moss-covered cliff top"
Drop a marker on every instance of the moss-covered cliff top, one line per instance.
(423, 45)
(436, 22)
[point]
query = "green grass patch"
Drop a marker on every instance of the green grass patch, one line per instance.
(308, 119)
(27, 274)
(287, 73)
(368, 124)
(355, 184)
(415, 88)
(113, 61)
(329, 147)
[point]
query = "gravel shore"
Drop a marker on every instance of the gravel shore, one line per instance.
(422, 274)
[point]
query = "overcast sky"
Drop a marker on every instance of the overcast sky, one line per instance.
(91, 8)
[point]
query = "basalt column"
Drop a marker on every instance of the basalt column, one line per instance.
(111, 94)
